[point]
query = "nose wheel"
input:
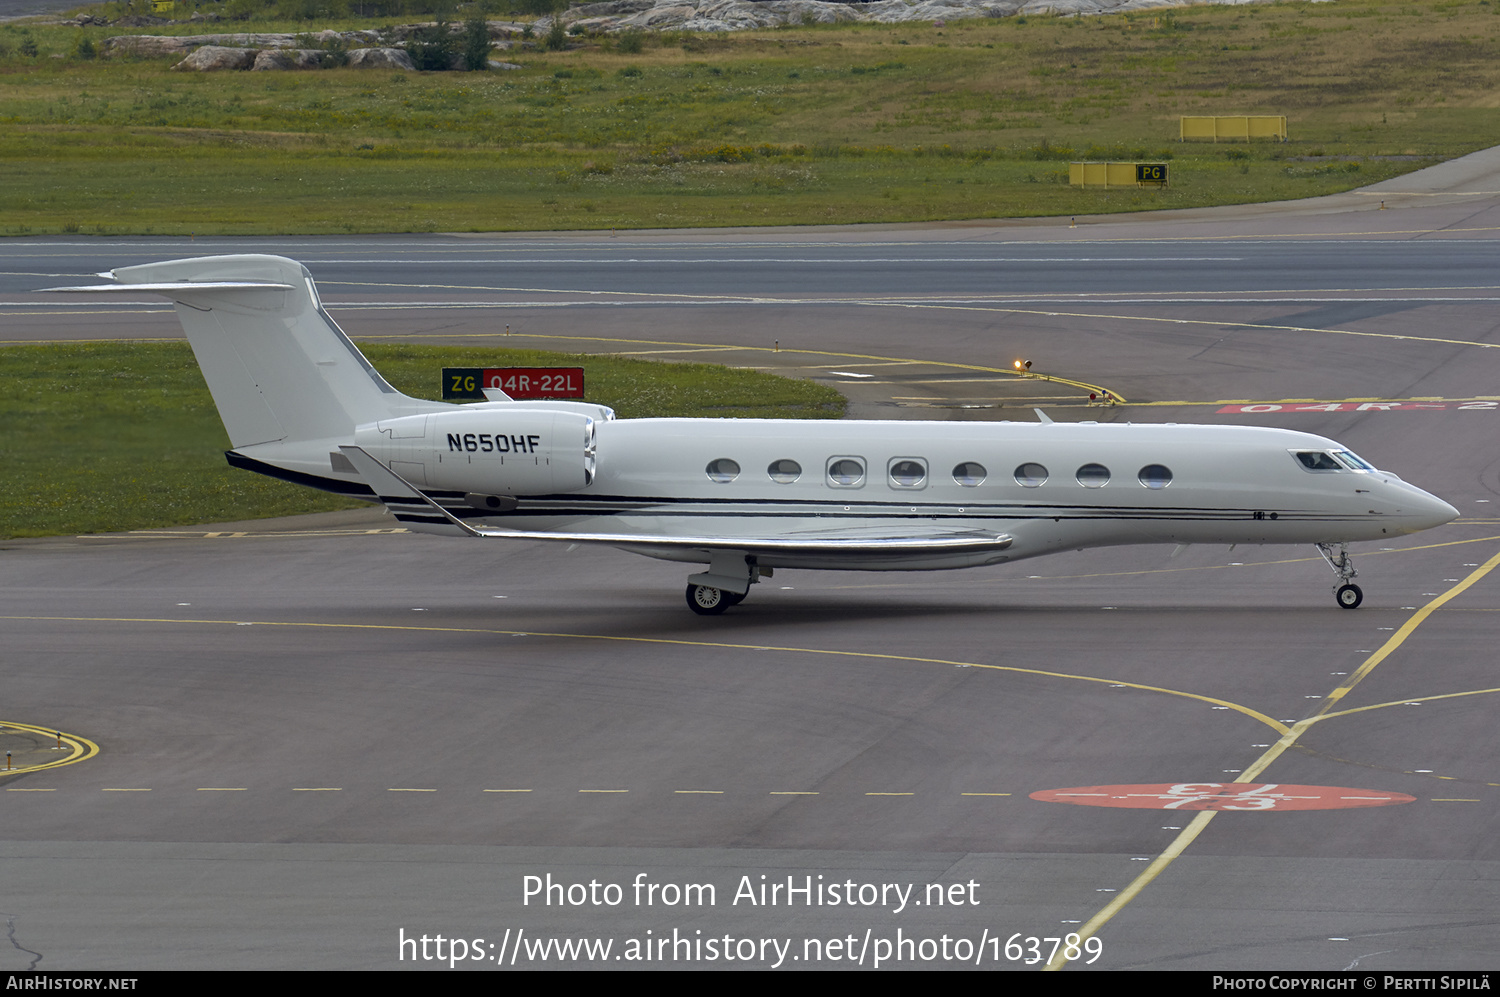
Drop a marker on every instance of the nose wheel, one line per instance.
(1346, 593)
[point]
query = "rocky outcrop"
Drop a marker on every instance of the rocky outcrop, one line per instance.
(611, 8)
(384, 49)
(738, 15)
(380, 58)
(288, 58)
(497, 29)
(147, 46)
(152, 46)
(210, 58)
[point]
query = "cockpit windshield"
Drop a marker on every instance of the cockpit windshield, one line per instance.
(1332, 460)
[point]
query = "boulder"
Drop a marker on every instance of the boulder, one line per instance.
(287, 58)
(380, 58)
(211, 58)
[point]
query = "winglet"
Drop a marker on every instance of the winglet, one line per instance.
(1042, 417)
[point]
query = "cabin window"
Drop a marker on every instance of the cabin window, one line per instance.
(784, 471)
(1031, 475)
(722, 471)
(1155, 476)
(846, 472)
(1317, 460)
(908, 472)
(970, 474)
(1093, 475)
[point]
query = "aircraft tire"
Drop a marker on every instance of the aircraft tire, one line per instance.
(1349, 596)
(707, 601)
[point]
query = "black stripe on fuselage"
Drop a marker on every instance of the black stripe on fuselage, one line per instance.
(354, 489)
(544, 509)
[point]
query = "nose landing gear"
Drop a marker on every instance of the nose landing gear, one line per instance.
(1345, 593)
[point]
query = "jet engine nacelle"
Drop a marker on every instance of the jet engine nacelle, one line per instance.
(487, 451)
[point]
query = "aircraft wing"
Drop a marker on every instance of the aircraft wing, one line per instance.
(172, 289)
(410, 506)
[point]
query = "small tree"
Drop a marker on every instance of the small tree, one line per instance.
(431, 49)
(476, 43)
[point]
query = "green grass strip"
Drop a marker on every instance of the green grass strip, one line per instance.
(838, 124)
(104, 437)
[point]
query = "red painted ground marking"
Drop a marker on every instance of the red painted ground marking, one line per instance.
(1266, 408)
(1222, 796)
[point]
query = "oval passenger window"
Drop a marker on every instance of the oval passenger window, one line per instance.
(1031, 475)
(722, 470)
(908, 473)
(784, 471)
(846, 471)
(969, 474)
(1155, 476)
(1093, 475)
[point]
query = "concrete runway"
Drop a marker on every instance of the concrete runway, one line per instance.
(320, 737)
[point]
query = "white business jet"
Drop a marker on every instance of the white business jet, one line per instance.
(746, 496)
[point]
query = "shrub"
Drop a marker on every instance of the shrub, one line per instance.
(432, 48)
(476, 43)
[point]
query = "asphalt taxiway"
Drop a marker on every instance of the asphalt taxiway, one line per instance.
(320, 738)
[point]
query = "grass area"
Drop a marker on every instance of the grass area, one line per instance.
(837, 124)
(101, 437)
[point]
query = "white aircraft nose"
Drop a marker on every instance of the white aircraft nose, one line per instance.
(1427, 510)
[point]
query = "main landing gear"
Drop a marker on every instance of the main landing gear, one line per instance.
(726, 582)
(708, 601)
(1345, 593)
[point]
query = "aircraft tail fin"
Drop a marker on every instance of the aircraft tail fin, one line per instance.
(278, 366)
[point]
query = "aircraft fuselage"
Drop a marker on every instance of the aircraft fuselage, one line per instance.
(1049, 486)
